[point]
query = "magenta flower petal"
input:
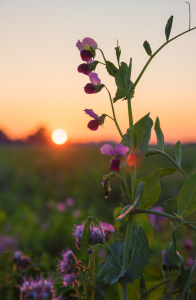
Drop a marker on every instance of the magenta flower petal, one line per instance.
(84, 68)
(88, 42)
(86, 55)
(94, 79)
(90, 88)
(80, 46)
(115, 165)
(121, 150)
(106, 226)
(107, 149)
(93, 125)
(91, 113)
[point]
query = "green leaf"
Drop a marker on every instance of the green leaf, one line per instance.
(97, 246)
(85, 243)
(138, 256)
(92, 66)
(178, 153)
(118, 53)
(99, 88)
(144, 221)
(142, 132)
(159, 134)
(173, 260)
(168, 27)
(190, 278)
(111, 270)
(93, 52)
(168, 171)
(111, 68)
(123, 82)
(147, 48)
(152, 190)
(102, 118)
(139, 191)
(181, 282)
(125, 211)
(186, 203)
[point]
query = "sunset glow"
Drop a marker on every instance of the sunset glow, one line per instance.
(59, 136)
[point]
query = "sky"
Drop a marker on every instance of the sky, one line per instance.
(40, 84)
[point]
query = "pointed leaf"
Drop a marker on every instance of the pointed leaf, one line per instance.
(85, 243)
(99, 88)
(186, 203)
(178, 153)
(188, 284)
(142, 132)
(111, 68)
(147, 48)
(138, 255)
(173, 260)
(92, 66)
(152, 190)
(123, 82)
(139, 191)
(159, 134)
(168, 27)
(168, 171)
(118, 53)
(181, 281)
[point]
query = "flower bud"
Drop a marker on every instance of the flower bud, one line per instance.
(115, 164)
(86, 55)
(84, 69)
(90, 88)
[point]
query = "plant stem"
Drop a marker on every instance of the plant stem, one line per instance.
(157, 151)
(110, 117)
(178, 219)
(146, 293)
(126, 185)
(152, 56)
(116, 123)
(154, 288)
(102, 54)
(94, 278)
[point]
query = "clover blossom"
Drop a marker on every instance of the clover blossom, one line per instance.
(94, 86)
(95, 235)
(69, 267)
(38, 288)
(158, 221)
(98, 121)
(118, 153)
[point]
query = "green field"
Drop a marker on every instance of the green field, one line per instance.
(34, 179)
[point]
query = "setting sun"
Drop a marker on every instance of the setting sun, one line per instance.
(59, 136)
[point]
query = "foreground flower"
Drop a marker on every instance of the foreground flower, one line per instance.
(188, 244)
(69, 267)
(95, 236)
(38, 288)
(98, 121)
(95, 85)
(106, 226)
(118, 152)
(158, 221)
(87, 49)
(84, 69)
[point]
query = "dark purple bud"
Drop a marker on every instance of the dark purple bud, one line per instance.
(17, 256)
(115, 165)
(23, 263)
(188, 244)
(93, 125)
(89, 250)
(84, 68)
(90, 88)
(86, 55)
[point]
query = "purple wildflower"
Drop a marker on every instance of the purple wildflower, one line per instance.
(93, 124)
(86, 55)
(70, 201)
(95, 236)
(69, 267)
(188, 244)
(23, 262)
(61, 206)
(38, 288)
(190, 261)
(84, 69)
(158, 221)
(93, 87)
(107, 226)
(117, 152)
(86, 44)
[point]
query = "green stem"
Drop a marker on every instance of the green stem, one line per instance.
(126, 185)
(157, 151)
(94, 278)
(116, 123)
(154, 288)
(178, 219)
(152, 56)
(146, 293)
(124, 292)
(102, 54)
(110, 117)
(100, 62)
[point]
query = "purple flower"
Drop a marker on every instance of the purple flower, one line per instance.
(17, 256)
(86, 55)
(190, 261)
(107, 226)
(61, 206)
(38, 288)
(23, 262)
(188, 244)
(117, 152)
(69, 267)
(93, 124)
(86, 44)
(93, 87)
(157, 221)
(70, 201)
(84, 69)
(95, 236)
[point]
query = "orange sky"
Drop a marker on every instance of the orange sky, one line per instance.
(40, 85)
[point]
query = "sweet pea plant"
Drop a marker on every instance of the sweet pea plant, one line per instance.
(127, 258)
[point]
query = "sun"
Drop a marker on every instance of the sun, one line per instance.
(59, 136)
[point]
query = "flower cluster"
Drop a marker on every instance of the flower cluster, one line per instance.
(95, 235)
(21, 261)
(69, 267)
(38, 288)
(87, 51)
